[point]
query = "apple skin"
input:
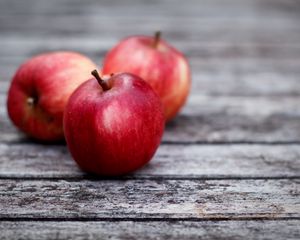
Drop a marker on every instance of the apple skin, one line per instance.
(162, 66)
(116, 131)
(40, 90)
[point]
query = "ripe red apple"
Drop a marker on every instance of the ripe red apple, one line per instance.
(158, 63)
(113, 125)
(40, 90)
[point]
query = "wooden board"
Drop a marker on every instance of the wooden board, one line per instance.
(214, 77)
(28, 161)
(223, 119)
(177, 230)
(143, 199)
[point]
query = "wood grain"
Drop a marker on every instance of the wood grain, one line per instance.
(65, 17)
(235, 119)
(213, 9)
(157, 199)
(14, 50)
(170, 162)
(218, 119)
(238, 77)
(267, 230)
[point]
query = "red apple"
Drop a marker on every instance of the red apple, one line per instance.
(158, 63)
(113, 125)
(40, 90)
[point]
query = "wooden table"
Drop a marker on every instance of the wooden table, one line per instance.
(229, 164)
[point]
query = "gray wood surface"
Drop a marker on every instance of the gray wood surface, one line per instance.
(229, 164)
(156, 199)
(222, 119)
(170, 162)
(256, 230)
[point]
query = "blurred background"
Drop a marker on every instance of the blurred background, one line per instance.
(221, 38)
(239, 51)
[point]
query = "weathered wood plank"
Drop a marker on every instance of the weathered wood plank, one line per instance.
(180, 161)
(217, 80)
(218, 119)
(213, 8)
(245, 71)
(222, 82)
(217, 20)
(261, 10)
(262, 45)
(267, 230)
(220, 128)
(157, 199)
(236, 119)
(98, 27)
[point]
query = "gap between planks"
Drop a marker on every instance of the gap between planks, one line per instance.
(126, 219)
(145, 177)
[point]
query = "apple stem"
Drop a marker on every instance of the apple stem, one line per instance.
(30, 101)
(156, 39)
(101, 82)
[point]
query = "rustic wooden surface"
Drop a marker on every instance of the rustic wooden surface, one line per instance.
(229, 164)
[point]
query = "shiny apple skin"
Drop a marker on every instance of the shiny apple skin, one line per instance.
(163, 67)
(50, 79)
(117, 131)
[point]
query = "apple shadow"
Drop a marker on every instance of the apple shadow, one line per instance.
(23, 138)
